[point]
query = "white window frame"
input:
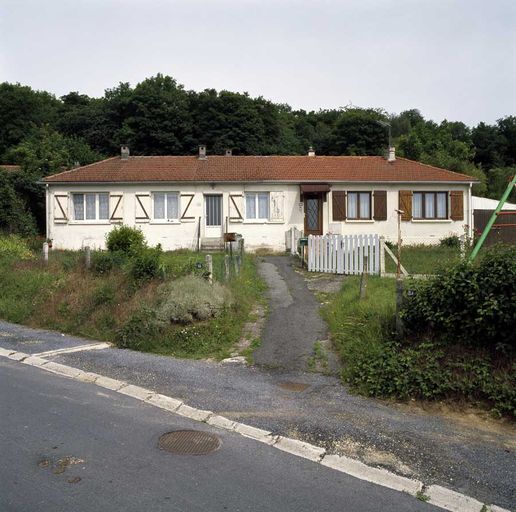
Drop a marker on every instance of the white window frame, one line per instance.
(256, 195)
(424, 198)
(358, 218)
(97, 219)
(166, 220)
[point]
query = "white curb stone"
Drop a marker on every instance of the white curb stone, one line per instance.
(35, 361)
(61, 369)
(136, 392)
(192, 413)
(17, 356)
(109, 383)
(300, 448)
(165, 402)
(375, 475)
(87, 377)
(4, 352)
(496, 508)
(221, 422)
(258, 434)
(451, 500)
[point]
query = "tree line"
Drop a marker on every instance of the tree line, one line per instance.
(158, 116)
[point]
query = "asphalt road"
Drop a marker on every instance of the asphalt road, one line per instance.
(67, 445)
(468, 456)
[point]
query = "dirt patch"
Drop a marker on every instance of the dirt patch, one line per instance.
(323, 283)
(252, 330)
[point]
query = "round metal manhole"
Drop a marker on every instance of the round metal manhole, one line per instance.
(189, 442)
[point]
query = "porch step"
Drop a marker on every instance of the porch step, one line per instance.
(212, 244)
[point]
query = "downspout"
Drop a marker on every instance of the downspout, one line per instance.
(471, 218)
(47, 216)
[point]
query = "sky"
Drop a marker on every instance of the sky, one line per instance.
(451, 59)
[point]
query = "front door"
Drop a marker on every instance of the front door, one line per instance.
(313, 214)
(213, 216)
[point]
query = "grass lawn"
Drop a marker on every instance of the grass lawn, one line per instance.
(423, 259)
(376, 362)
(66, 297)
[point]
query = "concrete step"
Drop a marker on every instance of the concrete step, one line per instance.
(212, 244)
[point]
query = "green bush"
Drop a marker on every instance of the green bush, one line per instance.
(146, 264)
(139, 331)
(450, 241)
(191, 298)
(469, 304)
(13, 246)
(102, 262)
(125, 239)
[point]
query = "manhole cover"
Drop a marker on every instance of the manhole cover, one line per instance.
(294, 386)
(189, 442)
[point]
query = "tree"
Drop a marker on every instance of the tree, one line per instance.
(22, 108)
(14, 215)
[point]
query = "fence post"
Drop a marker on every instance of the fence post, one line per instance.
(382, 256)
(87, 256)
(209, 266)
(45, 252)
(237, 264)
(226, 267)
(399, 303)
(363, 280)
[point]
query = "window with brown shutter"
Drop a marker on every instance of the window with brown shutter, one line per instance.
(380, 205)
(457, 205)
(405, 204)
(339, 205)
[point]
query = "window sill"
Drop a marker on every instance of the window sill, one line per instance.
(425, 221)
(164, 222)
(256, 221)
(359, 221)
(90, 222)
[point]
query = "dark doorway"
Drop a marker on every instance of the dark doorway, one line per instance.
(313, 214)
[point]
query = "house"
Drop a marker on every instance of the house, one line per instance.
(183, 201)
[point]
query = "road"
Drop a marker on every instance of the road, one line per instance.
(107, 445)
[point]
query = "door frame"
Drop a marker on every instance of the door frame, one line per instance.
(213, 231)
(319, 197)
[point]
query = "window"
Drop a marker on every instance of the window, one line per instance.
(91, 206)
(257, 205)
(359, 205)
(166, 205)
(430, 205)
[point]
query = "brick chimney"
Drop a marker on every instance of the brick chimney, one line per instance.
(392, 154)
(124, 152)
(202, 152)
(311, 151)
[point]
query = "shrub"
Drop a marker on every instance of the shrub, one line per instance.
(102, 262)
(13, 246)
(104, 293)
(191, 298)
(471, 304)
(125, 239)
(138, 331)
(450, 241)
(146, 264)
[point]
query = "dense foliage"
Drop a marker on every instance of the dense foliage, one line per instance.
(125, 239)
(467, 304)
(45, 134)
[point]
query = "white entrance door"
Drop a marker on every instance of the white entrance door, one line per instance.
(213, 216)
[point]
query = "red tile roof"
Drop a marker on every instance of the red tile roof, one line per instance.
(256, 169)
(9, 167)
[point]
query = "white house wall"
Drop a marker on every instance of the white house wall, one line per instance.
(183, 234)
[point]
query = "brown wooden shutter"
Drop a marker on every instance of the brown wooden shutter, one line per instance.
(405, 204)
(457, 205)
(339, 205)
(380, 205)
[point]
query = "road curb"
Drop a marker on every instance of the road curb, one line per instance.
(439, 496)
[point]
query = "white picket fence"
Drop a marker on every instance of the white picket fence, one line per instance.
(345, 254)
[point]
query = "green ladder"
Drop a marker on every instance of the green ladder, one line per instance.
(492, 220)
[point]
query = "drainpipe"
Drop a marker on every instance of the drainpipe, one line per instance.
(471, 216)
(47, 217)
